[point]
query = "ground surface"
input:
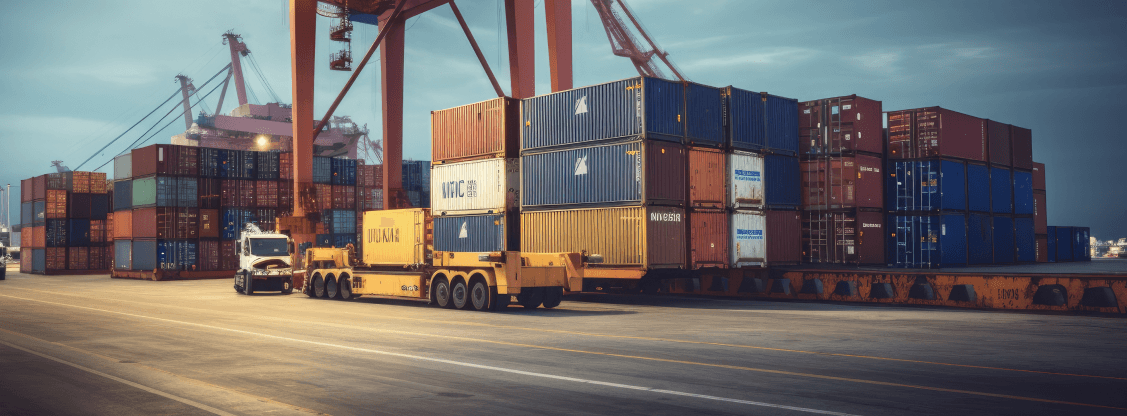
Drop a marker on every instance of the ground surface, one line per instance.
(94, 345)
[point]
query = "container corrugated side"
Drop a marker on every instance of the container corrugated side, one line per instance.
(927, 241)
(1040, 213)
(980, 239)
(396, 237)
(1065, 236)
(840, 124)
(1023, 193)
(123, 225)
(1003, 240)
(649, 237)
(269, 165)
(1022, 147)
(748, 239)
(936, 132)
(783, 181)
(1025, 241)
(849, 237)
(926, 185)
(708, 238)
(744, 119)
(1038, 176)
(1001, 191)
(490, 185)
(704, 115)
(978, 187)
(485, 129)
(784, 237)
(639, 172)
(745, 186)
(998, 139)
(782, 125)
(842, 182)
(708, 173)
(477, 233)
(644, 107)
(1081, 245)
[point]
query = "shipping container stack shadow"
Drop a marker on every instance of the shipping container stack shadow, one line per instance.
(64, 220)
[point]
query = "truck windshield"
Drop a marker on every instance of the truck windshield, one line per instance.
(268, 247)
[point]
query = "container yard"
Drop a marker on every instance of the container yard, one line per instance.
(663, 239)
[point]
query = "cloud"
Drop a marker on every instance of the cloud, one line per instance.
(766, 57)
(111, 71)
(882, 61)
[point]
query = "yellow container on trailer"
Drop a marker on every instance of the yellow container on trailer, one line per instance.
(397, 237)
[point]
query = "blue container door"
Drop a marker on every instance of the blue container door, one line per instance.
(704, 115)
(782, 181)
(1003, 240)
(978, 187)
(122, 255)
(1025, 242)
(213, 163)
(27, 214)
(99, 206)
(343, 240)
(1001, 191)
(901, 188)
(1080, 244)
(782, 125)
(122, 195)
(744, 120)
(233, 222)
(589, 175)
(167, 191)
(942, 185)
(187, 192)
(902, 244)
(145, 255)
(78, 233)
(1023, 193)
(980, 239)
(472, 233)
(38, 260)
(1052, 244)
(943, 240)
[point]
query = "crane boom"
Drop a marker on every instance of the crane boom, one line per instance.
(624, 44)
(237, 47)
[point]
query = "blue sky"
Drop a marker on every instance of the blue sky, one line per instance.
(75, 76)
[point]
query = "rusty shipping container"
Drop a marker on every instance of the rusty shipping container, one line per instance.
(842, 183)
(209, 255)
(56, 258)
(640, 172)
(123, 225)
(784, 237)
(344, 197)
(1022, 147)
(237, 193)
(39, 235)
(78, 258)
(266, 193)
(98, 232)
(849, 237)
(99, 258)
(998, 137)
(708, 171)
(56, 207)
(166, 223)
(840, 124)
(708, 238)
(285, 196)
(228, 257)
(745, 186)
(486, 129)
(649, 237)
(166, 159)
(79, 182)
(285, 166)
(936, 132)
(57, 181)
(98, 183)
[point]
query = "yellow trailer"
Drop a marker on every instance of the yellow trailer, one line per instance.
(397, 260)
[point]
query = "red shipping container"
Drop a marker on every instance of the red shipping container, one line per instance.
(285, 196)
(377, 176)
(285, 166)
(998, 136)
(708, 238)
(57, 204)
(27, 191)
(476, 131)
(80, 206)
(842, 182)
(707, 174)
(166, 223)
(39, 187)
(784, 237)
(78, 182)
(237, 193)
(266, 194)
(841, 124)
(123, 225)
(25, 262)
(1042, 248)
(209, 255)
(934, 132)
(78, 258)
(228, 258)
(344, 197)
(210, 223)
(1038, 176)
(843, 237)
(166, 159)
(109, 227)
(98, 231)
(39, 235)
(57, 181)
(26, 239)
(210, 192)
(98, 183)
(144, 223)
(98, 258)
(56, 258)
(1022, 147)
(1040, 213)
(324, 196)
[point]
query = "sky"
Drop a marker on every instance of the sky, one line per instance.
(74, 77)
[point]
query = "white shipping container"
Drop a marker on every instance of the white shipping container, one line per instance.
(745, 180)
(480, 186)
(123, 166)
(747, 239)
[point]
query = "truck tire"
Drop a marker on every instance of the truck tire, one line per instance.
(287, 286)
(531, 298)
(345, 288)
(332, 289)
(442, 293)
(238, 289)
(248, 283)
(318, 286)
(479, 295)
(460, 294)
(309, 288)
(552, 297)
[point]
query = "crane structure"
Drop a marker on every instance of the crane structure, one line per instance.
(624, 44)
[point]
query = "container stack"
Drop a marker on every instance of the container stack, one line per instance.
(603, 170)
(475, 177)
(1040, 213)
(417, 183)
(708, 219)
(63, 220)
(842, 152)
(761, 132)
(1067, 244)
(335, 182)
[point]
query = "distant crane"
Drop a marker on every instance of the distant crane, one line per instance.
(623, 43)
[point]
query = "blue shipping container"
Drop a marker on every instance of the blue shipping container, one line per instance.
(618, 174)
(212, 162)
(978, 187)
(234, 220)
(339, 221)
(926, 185)
(1052, 243)
(1025, 242)
(38, 260)
(1081, 244)
(980, 239)
(704, 115)
(177, 254)
(343, 171)
(343, 240)
(78, 233)
(240, 164)
(928, 241)
(122, 255)
(39, 208)
(322, 170)
(476, 233)
(144, 255)
(55, 233)
(1023, 192)
(744, 119)
(27, 214)
(639, 107)
(268, 166)
(1001, 191)
(782, 181)
(123, 195)
(782, 125)
(1065, 238)
(177, 192)
(1003, 240)
(416, 176)
(99, 206)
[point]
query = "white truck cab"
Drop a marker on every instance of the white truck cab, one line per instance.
(264, 261)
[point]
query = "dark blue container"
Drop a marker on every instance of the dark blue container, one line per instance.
(123, 195)
(240, 164)
(1003, 240)
(704, 115)
(1023, 193)
(55, 233)
(980, 239)
(38, 260)
(269, 165)
(39, 211)
(343, 240)
(782, 125)
(926, 185)
(744, 119)
(177, 192)
(78, 233)
(213, 163)
(639, 107)
(122, 255)
(343, 171)
(630, 173)
(782, 181)
(978, 188)
(476, 233)
(416, 176)
(1001, 191)
(1052, 243)
(324, 240)
(1081, 244)
(27, 214)
(339, 221)
(99, 206)
(1065, 243)
(234, 220)
(177, 254)
(928, 241)
(144, 255)
(1025, 242)
(323, 170)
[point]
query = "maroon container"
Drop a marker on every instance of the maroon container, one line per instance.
(56, 207)
(27, 191)
(79, 205)
(166, 223)
(1038, 176)
(285, 166)
(98, 232)
(285, 196)
(98, 183)
(784, 237)
(56, 258)
(324, 196)
(237, 193)
(840, 124)
(842, 182)
(209, 255)
(98, 258)
(166, 159)
(707, 174)
(266, 194)
(1040, 213)
(210, 223)
(78, 258)
(936, 132)
(144, 223)
(847, 237)
(228, 258)
(39, 187)
(708, 238)
(1022, 147)
(998, 136)
(267, 218)
(210, 192)
(1042, 248)
(57, 181)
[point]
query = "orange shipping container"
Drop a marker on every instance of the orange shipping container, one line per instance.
(646, 237)
(78, 258)
(707, 172)
(56, 204)
(708, 238)
(123, 225)
(476, 131)
(109, 227)
(97, 183)
(39, 236)
(56, 258)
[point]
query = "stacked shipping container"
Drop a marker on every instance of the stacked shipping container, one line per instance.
(63, 220)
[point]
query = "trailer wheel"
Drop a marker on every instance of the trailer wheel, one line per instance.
(479, 295)
(287, 286)
(318, 286)
(332, 289)
(531, 298)
(248, 283)
(442, 293)
(238, 289)
(552, 297)
(310, 288)
(345, 287)
(460, 294)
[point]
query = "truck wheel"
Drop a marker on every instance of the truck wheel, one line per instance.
(531, 298)
(460, 294)
(479, 295)
(287, 286)
(310, 287)
(552, 297)
(345, 288)
(318, 287)
(248, 283)
(238, 289)
(332, 290)
(442, 293)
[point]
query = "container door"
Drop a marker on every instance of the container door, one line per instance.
(748, 239)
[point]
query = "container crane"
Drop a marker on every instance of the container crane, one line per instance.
(623, 43)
